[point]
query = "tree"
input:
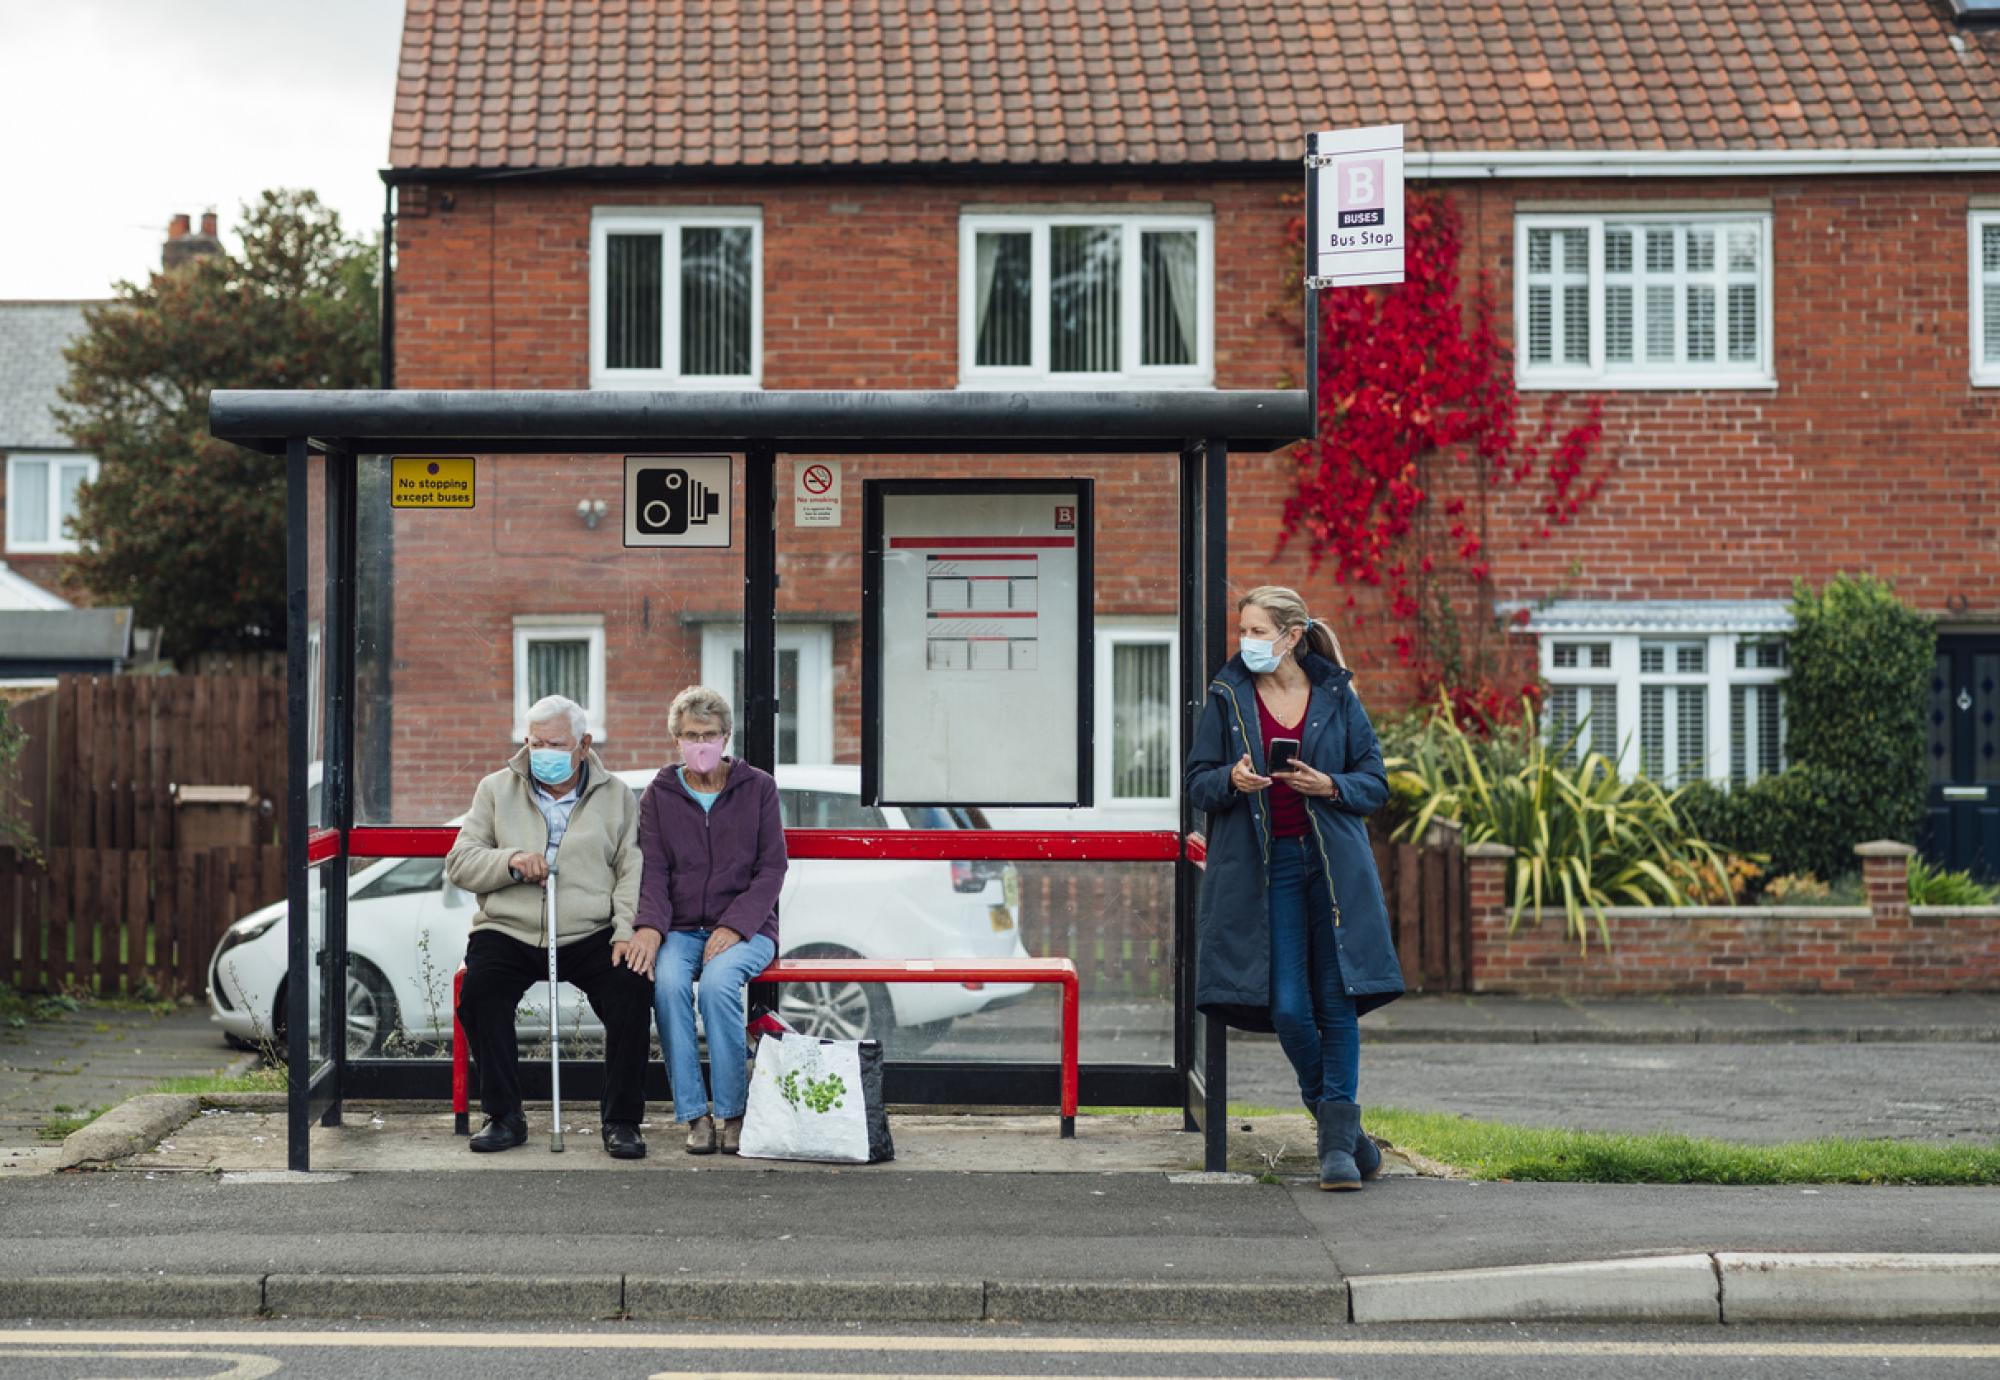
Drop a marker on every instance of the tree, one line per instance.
(1418, 413)
(189, 530)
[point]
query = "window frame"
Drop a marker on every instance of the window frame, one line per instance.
(1108, 639)
(1132, 224)
(669, 222)
(813, 716)
(1761, 374)
(56, 544)
(1985, 372)
(1628, 681)
(560, 627)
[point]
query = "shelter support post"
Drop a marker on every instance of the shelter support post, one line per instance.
(338, 642)
(759, 744)
(298, 916)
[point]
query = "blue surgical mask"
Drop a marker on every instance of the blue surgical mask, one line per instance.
(551, 766)
(1258, 656)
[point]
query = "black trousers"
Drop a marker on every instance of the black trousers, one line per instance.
(498, 973)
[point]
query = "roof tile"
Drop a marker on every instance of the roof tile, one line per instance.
(624, 83)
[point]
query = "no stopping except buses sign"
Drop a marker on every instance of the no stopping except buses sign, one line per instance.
(430, 482)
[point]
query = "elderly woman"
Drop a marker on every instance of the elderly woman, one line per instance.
(713, 860)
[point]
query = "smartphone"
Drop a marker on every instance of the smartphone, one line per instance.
(1283, 750)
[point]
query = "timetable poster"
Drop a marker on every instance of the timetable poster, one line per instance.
(981, 648)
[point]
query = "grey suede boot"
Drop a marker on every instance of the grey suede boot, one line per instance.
(1367, 1155)
(1339, 1127)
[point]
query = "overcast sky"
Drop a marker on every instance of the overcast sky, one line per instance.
(118, 113)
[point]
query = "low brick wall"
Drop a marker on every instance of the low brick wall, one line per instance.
(1882, 947)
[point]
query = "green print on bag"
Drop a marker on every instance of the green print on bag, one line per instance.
(819, 1094)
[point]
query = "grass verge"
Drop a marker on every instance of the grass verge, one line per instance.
(264, 1078)
(1547, 1154)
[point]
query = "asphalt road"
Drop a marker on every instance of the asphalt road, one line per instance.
(622, 1350)
(1763, 1091)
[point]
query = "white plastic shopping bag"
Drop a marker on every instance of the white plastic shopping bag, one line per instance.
(816, 1100)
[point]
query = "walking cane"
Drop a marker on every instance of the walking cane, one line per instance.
(555, 1046)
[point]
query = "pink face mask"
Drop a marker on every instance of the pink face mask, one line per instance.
(702, 758)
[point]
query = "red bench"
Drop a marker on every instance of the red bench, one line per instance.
(1057, 970)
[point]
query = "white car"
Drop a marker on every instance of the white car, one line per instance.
(406, 930)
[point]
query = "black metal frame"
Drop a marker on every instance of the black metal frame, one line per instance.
(873, 492)
(1198, 426)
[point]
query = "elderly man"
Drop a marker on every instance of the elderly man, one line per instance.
(553, 804)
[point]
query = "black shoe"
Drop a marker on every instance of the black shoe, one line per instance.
(500, 1133)
(622, 1141)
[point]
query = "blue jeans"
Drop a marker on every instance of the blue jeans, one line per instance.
(721, 1002)
(1310, 1006)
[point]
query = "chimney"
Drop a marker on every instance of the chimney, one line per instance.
(183, 246)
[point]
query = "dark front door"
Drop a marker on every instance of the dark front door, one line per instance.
(1962, 830)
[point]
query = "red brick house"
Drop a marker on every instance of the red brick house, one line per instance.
(1769, 240)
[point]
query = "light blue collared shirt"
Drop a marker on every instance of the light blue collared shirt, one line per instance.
(557, 810)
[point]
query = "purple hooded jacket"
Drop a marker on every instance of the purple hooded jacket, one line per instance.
(724, 866)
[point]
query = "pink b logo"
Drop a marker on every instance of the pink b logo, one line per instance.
(1359, 185)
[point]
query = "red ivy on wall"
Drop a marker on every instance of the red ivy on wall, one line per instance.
(1417, 409)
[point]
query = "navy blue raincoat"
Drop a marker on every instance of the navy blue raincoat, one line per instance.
(1233, 973)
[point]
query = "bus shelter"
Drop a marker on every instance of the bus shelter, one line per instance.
(1150, 468)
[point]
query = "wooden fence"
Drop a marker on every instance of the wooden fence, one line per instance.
(120, 899)
(1429, 918)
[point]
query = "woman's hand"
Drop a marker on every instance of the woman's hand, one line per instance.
(639, 952)
(1308, 780)
(721, 941)
(1246, 780)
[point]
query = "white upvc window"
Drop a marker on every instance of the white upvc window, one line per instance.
(41, 500)
(1675, 707)
(1086, 300)
(1643, 301)
(676, 297)
(559, 654)
(1138, 729)
(1985, 233)
(805, 685)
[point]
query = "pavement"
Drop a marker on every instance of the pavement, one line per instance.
(979, 1218)
(989, 1218)
(82, 1061)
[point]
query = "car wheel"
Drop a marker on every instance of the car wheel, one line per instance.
(372, 1014)
(836, 1010)
(371, 1009)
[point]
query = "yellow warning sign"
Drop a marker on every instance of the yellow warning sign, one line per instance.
(426, 482)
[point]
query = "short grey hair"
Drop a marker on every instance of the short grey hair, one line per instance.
(703, 703)
(549, 708)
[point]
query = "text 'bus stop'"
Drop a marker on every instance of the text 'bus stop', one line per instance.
(937, 668)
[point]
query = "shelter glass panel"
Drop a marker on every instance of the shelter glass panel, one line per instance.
(467, 616)
(1113, 920)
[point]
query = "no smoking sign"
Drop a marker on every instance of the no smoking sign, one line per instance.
(816, 493)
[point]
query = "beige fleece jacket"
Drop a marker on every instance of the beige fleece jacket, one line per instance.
(597, 862)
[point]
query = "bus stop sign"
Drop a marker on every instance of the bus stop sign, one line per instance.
(1356, 206)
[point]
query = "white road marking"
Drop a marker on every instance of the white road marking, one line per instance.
(241, 1367)
(1176, 1345)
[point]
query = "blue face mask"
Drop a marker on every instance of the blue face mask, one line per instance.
(551, 766)
(1258, 656)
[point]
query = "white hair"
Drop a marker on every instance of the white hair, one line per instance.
(702, 703)
(549, 708)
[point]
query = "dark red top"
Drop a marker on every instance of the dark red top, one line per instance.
(1288, 807)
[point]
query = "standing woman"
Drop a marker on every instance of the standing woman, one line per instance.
(712, 862)
(1293, 932)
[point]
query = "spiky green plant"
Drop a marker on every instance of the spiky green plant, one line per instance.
(1580, 832)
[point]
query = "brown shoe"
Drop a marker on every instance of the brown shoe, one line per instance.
(729, 1137)
(701, 1136)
